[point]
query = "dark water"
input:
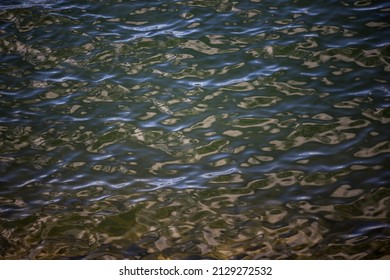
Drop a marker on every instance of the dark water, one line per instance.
(194, 129)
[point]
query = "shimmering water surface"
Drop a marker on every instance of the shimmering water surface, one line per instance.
(194, 129)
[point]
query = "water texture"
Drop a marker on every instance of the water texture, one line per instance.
(194, 129)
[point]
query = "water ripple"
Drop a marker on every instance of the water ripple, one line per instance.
(196, 129)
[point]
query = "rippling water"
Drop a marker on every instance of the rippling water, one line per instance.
(194, 129)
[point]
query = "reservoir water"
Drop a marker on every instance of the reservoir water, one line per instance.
(195, 129)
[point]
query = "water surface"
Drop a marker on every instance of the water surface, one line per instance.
(194, 129)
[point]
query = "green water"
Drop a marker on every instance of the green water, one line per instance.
(194, 129)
